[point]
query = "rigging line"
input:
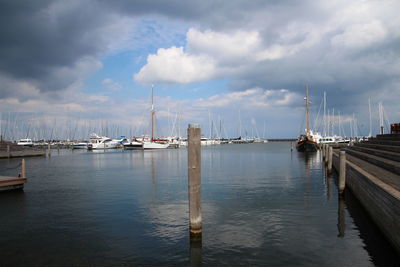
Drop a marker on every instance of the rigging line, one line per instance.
(301, 126)
(316, 122)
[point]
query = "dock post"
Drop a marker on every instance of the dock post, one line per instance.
(326, 153)
(194, 182)
(330, 158)
(48, 150)
(323, 151)
(8, 151)
(23, 169)
(342, 171)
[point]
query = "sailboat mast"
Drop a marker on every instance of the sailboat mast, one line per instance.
(307, 115)
(324, 113)
(152, 113)
(370, 120)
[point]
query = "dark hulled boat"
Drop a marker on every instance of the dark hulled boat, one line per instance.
(305, 143)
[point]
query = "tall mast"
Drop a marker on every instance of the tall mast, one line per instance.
(333, 121)
(370, 121)
(381, 117)
(307, 122)
(152, 113)
(324, 113)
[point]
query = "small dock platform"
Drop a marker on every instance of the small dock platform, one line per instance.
(13, 183)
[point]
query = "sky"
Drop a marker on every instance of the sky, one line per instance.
(239, 68)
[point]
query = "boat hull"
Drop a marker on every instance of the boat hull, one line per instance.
(153, 145)
(306, 146)
(133, 146)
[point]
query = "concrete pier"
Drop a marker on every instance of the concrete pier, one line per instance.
(373, 175)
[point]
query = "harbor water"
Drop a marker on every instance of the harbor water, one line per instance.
(262, 205)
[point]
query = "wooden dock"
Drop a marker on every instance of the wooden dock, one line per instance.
(12, 150)
(13, 183)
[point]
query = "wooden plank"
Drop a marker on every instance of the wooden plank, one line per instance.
(11, 181)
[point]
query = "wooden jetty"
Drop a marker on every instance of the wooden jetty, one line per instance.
(12, 150)
(12, 183)
(372, 173)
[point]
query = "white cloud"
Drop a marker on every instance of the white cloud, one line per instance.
(227, 48)
(361, 35)
(173, 65)
(111, 85)
(251, 98)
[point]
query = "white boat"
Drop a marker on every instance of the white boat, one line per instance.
(154, 143)
(133, 144)
(25, 142)
(80, 145)
(102, 142)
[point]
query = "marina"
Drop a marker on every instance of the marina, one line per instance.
(200, 133)
(260, 203)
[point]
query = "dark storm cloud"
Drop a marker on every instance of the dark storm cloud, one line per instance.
(41, 40)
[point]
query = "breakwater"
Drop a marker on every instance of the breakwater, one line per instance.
(12, 150)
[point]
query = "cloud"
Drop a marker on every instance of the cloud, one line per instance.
(361, 35)
(111, 85)
(252, 98)
(175, 66)
(53, 44)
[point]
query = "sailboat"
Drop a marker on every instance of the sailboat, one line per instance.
(154, 143)
(306, 143)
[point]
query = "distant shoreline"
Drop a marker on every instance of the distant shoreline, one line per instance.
(281, 140)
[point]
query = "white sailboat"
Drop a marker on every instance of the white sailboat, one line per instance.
(154, 143)
(102, 142)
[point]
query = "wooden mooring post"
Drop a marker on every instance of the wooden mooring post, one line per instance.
(48, 150)
(8, 151)
(342, 171)
(194, 182)
(330, 158)
(23, 169)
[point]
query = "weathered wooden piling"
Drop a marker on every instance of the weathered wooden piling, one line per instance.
(48, 150)
(342, 171)
(194, 182)
(330, 158)
(8, 151)
(23, 169)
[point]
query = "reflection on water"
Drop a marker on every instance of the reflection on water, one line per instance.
(341, 216)
(262, 205)
(196, 253)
